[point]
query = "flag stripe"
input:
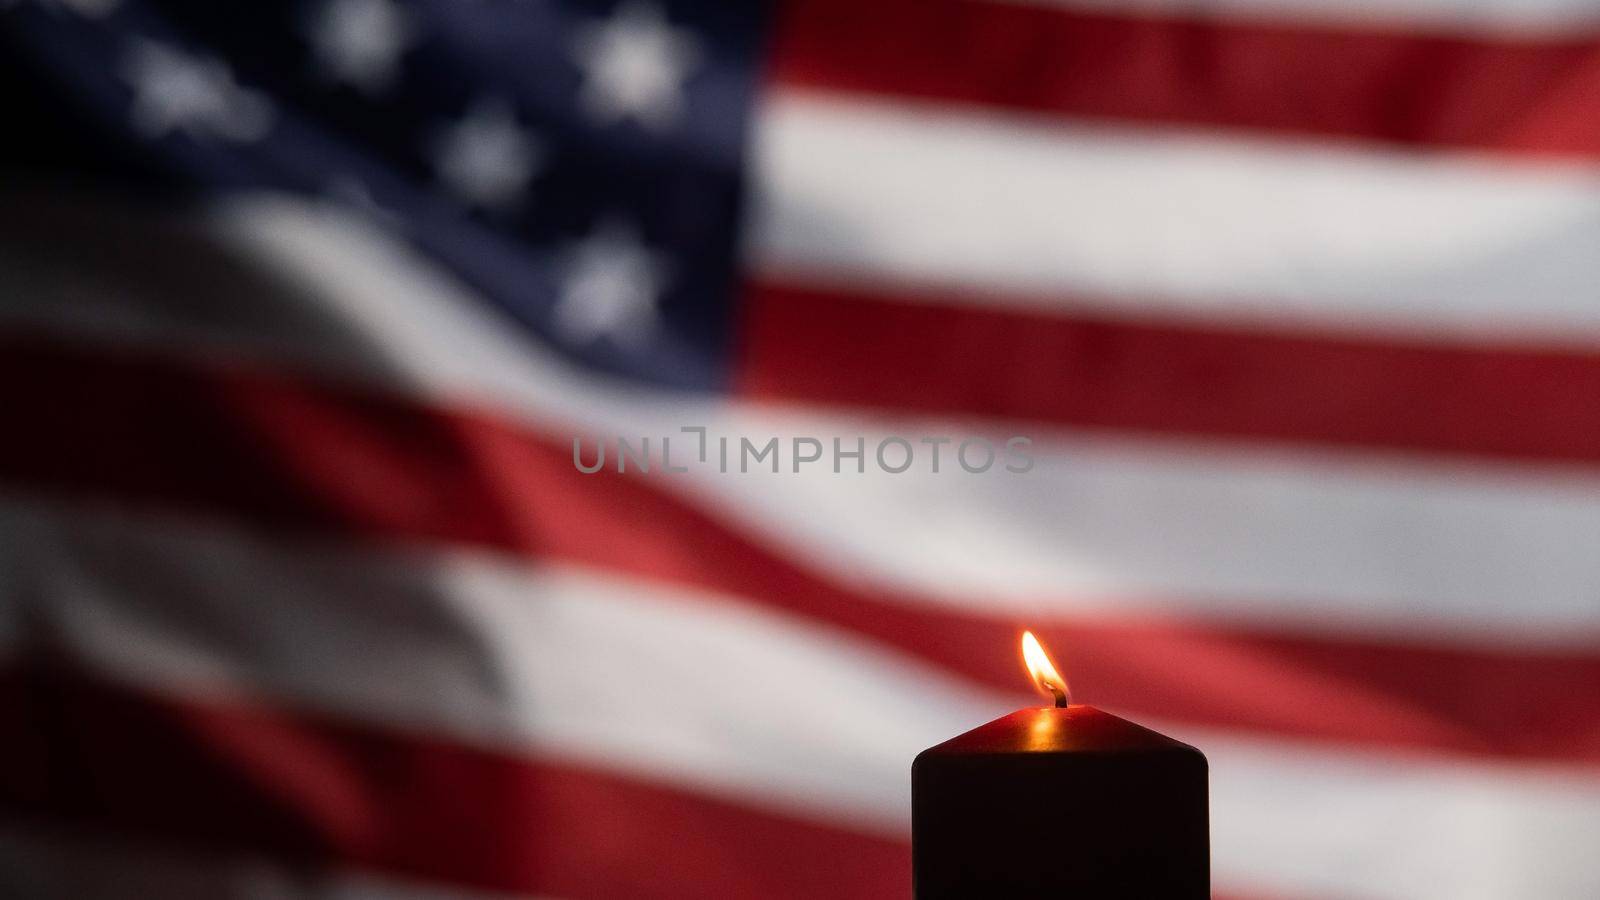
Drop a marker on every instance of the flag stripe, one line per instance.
(1511, 18)
(993, 210)
(256, 447)
(639, 683)
(54, 862)
(1512, 93)
(317, 791)
(916, 353)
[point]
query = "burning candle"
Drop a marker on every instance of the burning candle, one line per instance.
(1063, 801)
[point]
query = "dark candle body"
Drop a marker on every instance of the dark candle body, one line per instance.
(1060, 803)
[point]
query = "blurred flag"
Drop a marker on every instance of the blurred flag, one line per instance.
(303, 304)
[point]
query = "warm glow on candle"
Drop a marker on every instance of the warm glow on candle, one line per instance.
(1043, 671)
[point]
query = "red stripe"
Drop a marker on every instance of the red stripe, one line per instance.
(267, 448)
(1505, 93)
(936, 356)
(230, 778)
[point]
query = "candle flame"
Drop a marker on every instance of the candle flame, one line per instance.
(1045, 677)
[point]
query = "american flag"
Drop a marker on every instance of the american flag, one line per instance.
(302, 306)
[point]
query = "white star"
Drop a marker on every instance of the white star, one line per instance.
(610, 289)
(635, 65)
(198, 96)
(488, 158)
(360, 42)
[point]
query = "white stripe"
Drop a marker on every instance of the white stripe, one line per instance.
(43, 865)
(1010, 212)
(1509, 18)
(739, 702)
(1324, 543)
(1332, 542)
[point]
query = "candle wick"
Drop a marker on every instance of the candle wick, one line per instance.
(1061, 695)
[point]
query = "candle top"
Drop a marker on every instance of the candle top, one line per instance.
(1074, 729)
